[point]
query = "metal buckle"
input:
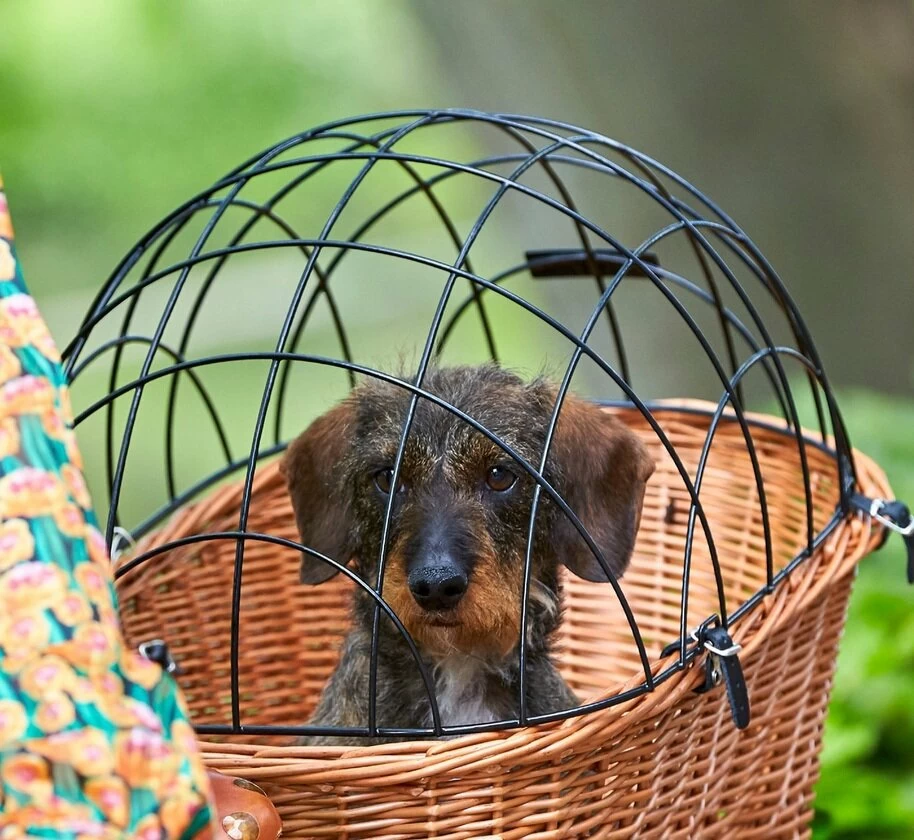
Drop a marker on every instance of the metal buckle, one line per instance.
(730, 651)
(875, 512)
(734, 649)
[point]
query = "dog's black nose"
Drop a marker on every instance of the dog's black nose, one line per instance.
(437, 587)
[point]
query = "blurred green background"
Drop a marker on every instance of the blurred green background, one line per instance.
(797, 118)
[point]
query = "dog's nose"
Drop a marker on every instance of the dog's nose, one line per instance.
(437, 587)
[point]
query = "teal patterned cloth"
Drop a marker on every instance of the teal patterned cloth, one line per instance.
(94, 739)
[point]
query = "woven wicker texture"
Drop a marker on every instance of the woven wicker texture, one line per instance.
(669, 764)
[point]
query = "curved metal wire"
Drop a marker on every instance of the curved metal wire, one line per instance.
(416, 391)
(544, 261)
(633, 259)
(121, 341)
(241, 536)
(696, 237)
(260, 211)
(437, 319)
(725, 400)
(545, 145)
(522, 463)
(424, 187)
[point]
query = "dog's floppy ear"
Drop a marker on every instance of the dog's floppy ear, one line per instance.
(312, 470)
(603, 468)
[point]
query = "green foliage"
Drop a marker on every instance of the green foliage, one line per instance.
(867, 784)
(112, 113)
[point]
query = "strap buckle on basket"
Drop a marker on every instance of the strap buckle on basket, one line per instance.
(156, 650)
(722, 663)
(893, 516)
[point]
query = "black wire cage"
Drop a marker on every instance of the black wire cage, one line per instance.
(444, 237)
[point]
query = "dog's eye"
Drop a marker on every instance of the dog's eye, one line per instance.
(500, 479)
(383, 480)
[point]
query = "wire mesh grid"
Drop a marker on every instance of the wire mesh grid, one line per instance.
(355, 216)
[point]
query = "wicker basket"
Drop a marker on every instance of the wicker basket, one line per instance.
(669, 764)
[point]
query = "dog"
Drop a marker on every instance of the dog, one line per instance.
(457, 539)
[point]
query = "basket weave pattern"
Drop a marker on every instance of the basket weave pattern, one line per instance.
(669, 764)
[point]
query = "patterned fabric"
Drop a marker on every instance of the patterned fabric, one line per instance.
(94, 739)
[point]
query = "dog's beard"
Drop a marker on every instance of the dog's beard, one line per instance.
(485, 624)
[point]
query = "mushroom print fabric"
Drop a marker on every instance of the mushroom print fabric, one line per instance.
(94, 739)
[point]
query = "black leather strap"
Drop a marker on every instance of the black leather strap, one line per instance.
(723, 664)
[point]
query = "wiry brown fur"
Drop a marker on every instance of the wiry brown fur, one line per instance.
(486, 621)
(596, 464)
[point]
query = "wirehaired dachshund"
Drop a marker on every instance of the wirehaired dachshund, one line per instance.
(457, 539)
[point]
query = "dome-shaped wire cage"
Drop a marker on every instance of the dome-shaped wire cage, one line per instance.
(382, 248)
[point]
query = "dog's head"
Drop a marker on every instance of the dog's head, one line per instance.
(459, 522)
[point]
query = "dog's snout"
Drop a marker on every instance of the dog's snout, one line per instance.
(438, 586)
